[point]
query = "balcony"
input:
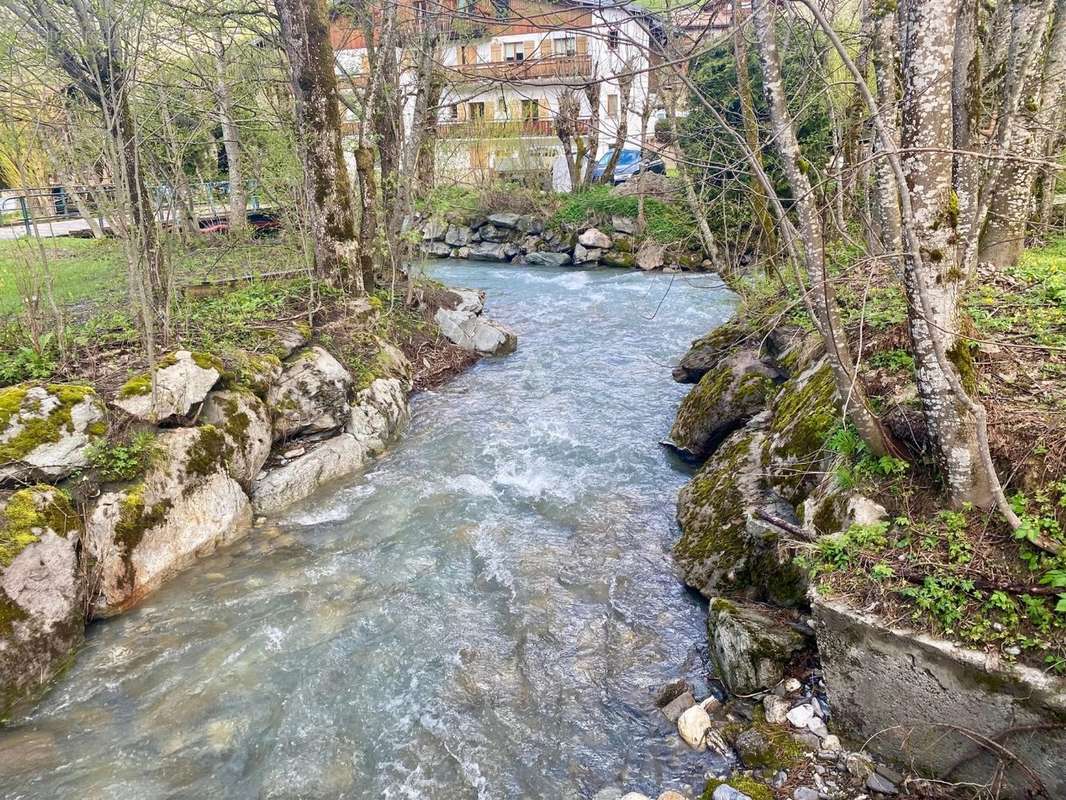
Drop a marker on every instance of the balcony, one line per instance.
(532, 69)
(501, 128)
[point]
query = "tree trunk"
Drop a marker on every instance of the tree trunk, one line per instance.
(886, 71)
(368, 222)
(238, 194)
(305, 34)
(592, 142)
(625, 88)
(822, 300)
(1003, 238)
(707, 238)
(927, 137)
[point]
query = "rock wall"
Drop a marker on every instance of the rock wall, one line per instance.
(521, 239)
(252, 435)
(926, 703)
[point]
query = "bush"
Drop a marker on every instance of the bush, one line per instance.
(666, 222)
(123, 460)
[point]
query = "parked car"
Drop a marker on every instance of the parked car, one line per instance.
(629, 164)
(263, 223)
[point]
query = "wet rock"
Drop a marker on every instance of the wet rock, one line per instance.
(614, 258)
(678, 706)
(609, 793)
(185, 507)
(805, 793)
(182, 379)
(750, 649)
(594, 239)
(670, 794)
(468, 301)
(476, 333)
(545, 259)
(694, 725)
(42, 592)
(491, 233)
(281, 486)
(244, 421)
(311, 395)
(727, 792)
(670, 691)
(46, 431)
(635, 796)
(650, 256)
(751, 745)
(379, 412)
(726, 398)
(715, 742)
(707, 352)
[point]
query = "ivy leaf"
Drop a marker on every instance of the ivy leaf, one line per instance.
(1060, 607)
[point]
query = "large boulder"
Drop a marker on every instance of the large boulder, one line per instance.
(297, 478)
(617, 258)
(256, 372)
(180, 381)
(507, 219)
(708, 351)
(436, 249)
(457, 235)
(42, 592)
(474, 332)
(750, 648)
(651, 255)
(469, 301)
(311, 396)
(489, 251)
(546, 259)
(186, 505)
(724, 400)
(586, 255)
(378, 413)
(625, 225)
(46, 431)
(493, 233)
(244, 421)
(724, 546)
(594, 238)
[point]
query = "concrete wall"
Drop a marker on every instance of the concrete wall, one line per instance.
(911, 695)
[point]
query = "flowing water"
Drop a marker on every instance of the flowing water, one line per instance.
(486, 613)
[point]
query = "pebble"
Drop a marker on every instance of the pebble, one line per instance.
(858, 765)
(780, 779)
(791, 685)
(711, 704)
(635, 796)
(805, 793)
(800, 715)
(879, 783)
(831, 743)
(670, 794)
(727, 792)
(776, 709)
(693, 726)
(887, 772)
(671, 691)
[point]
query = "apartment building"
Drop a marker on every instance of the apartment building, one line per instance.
(507, 64)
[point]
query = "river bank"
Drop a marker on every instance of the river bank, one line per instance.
(502, 572)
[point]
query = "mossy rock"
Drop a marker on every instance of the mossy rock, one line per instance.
(753, 788)
(709, 350)
(256, 372)
(803, 413)
(750, 648)
(723, 548)
(725, 398)
(46, 430)
(28, 513)
(180, 381)
(616, 258)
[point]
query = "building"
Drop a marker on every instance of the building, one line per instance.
(507, 66)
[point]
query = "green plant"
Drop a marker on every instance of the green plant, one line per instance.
(897, 360)
(123, 460)
(858, 465)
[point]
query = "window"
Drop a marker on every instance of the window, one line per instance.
(612, 106)
(565, 46)
(468, 54)
(466, 6)
(477, 110)
(514, 51)
(612, 39)
(453, 112)
(502, 7)
(530, 110)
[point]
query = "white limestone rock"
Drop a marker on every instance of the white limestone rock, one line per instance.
(181, 381)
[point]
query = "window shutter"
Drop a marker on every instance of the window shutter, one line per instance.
(582, 45)
(461, 111)
(529, 48)
(497, 52)
(490, 110)
(516, 109)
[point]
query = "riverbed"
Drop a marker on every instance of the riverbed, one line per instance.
(485, 613)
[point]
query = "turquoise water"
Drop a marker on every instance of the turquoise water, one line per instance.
(485, 613)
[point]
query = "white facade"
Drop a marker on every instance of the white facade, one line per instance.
(502, 94)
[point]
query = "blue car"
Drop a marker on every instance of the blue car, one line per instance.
(629, 164)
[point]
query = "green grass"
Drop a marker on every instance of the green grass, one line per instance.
(666, 223)
(80, 269)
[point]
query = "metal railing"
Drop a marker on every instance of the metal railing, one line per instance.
(530, 69)
(501, 128)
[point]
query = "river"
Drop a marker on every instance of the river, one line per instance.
(486, 613)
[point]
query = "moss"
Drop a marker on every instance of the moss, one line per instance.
(827, 517)
(803, 414)
(29, 513)
(254, 371)
(10, 613)
(135, 518)
(137, 386)
(961, 356)
(37, 430)
(742, 783)
(208, 361)
(208, 453)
